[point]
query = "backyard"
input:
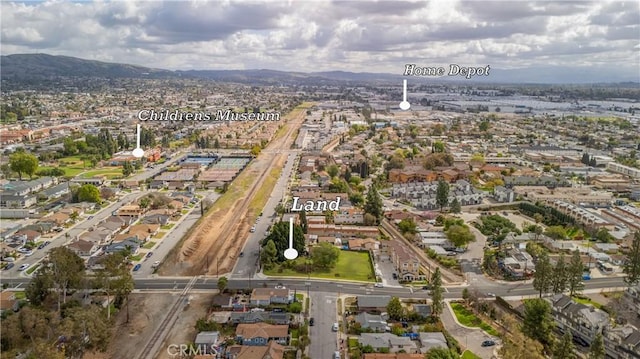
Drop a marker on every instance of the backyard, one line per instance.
(350, 266)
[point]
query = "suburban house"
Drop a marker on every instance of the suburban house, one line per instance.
(392, 356)
(157, 218)
(261, 334)
(31, 235)
(83, 248)
(259, 317)
(273, 350)
(17, 201)
(387, 340)
(206, 341)
(58, 219)
(132, 210)
(267, 296)
(129, 244)
(432, 340)
(364, 244)
(98, 236)
(373, 303)
(374, 322)
(144, 232)
(8, 301)
(350, 215)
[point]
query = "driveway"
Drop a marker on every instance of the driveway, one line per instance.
(468, 338)
(385, 268)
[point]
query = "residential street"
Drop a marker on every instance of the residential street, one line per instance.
(468, 338)
(324, 341)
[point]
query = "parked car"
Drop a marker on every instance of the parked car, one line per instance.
(335, 327)
(379, 285)
(137, 267)
(241, 254)
(336, 355)
(253, 229)
(155, 264)
(9, 266)
(488, 343)
(24, 266)
(311, 322)
(149, 254)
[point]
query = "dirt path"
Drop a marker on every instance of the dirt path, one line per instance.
(221, 235)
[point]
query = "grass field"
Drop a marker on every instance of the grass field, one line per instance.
(467, 318)
(33, 268)
(109, 172)
(262, 195)
(350, 266)
(469, 355)
(150, 244)
(586, 301)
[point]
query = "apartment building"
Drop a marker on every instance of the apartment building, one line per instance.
(625, 170)
(406, 264)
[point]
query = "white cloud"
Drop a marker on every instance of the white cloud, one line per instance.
(376, 36)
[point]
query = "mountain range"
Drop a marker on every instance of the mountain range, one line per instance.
(27, 68)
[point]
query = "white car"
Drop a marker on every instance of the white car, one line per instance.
(379, 285)
(23, 267)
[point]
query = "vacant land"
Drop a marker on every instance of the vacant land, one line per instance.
(351, 266)
(109, 172)
(225, 226)
(468, 319)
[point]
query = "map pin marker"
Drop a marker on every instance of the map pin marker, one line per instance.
(404, 105)
(291, 253)
(138, 152)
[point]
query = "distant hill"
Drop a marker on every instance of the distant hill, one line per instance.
(23, 67)
(24, 71)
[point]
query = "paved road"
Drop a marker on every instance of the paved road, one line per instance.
(247, 265)
(61, 239)
(467, 337)
(324, 341)
(453, 292)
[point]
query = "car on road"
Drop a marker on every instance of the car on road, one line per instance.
(426, 287)
(336, 355)
(312, 322)
(335, 327)
(395, 275)
(491, 295)
(28, 253)
(90, 217)
(379, 285)
(241, 254)
(8, 259)
(488, 343)
(24, 266)
(9, 266)
(155, 264)
(253, 229)
(280, 286)
(137, 267)
(149, 254)
(41, 245)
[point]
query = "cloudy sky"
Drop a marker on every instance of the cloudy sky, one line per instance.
(308, 35)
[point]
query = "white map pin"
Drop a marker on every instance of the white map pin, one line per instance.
(291, 253)
(404, 105)
(138, 152)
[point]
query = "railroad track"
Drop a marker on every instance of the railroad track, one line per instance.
(150, 350)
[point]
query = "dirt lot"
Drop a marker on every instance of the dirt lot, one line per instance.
(216, 236)
(184, 332)
(130, 338)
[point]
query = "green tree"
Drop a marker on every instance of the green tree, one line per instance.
(303, 221)
(255, 150)
(538, 321)
(65, 270)
(556, 232)
(395, 309)
(437, 293)
(597, 351)
(442, 353)
(565, 348)
(22, 162)
(575, 271)
(455, 206)
(333, 170)
(466, 295)
(222, 284)
(127, 169)
(280, 237)
(517, 345)
(373, 204)
(88, 193)
(459, 235)
(442, 194)
(438, 147)
(631, 265)
(542, 278)
(86, 329)
(268, 255)
(484, 126)
(408, 225)
(325, 256)
(559, 280)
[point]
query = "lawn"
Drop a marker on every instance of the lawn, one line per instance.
(167, 226)
(350, 266)
(32, 269)
(587, 301)
(109, 172)
(469, 355)
(467, 318)
(149, 244)
(159, 235)
(136, 258)
(353, 342)
(20, 295)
